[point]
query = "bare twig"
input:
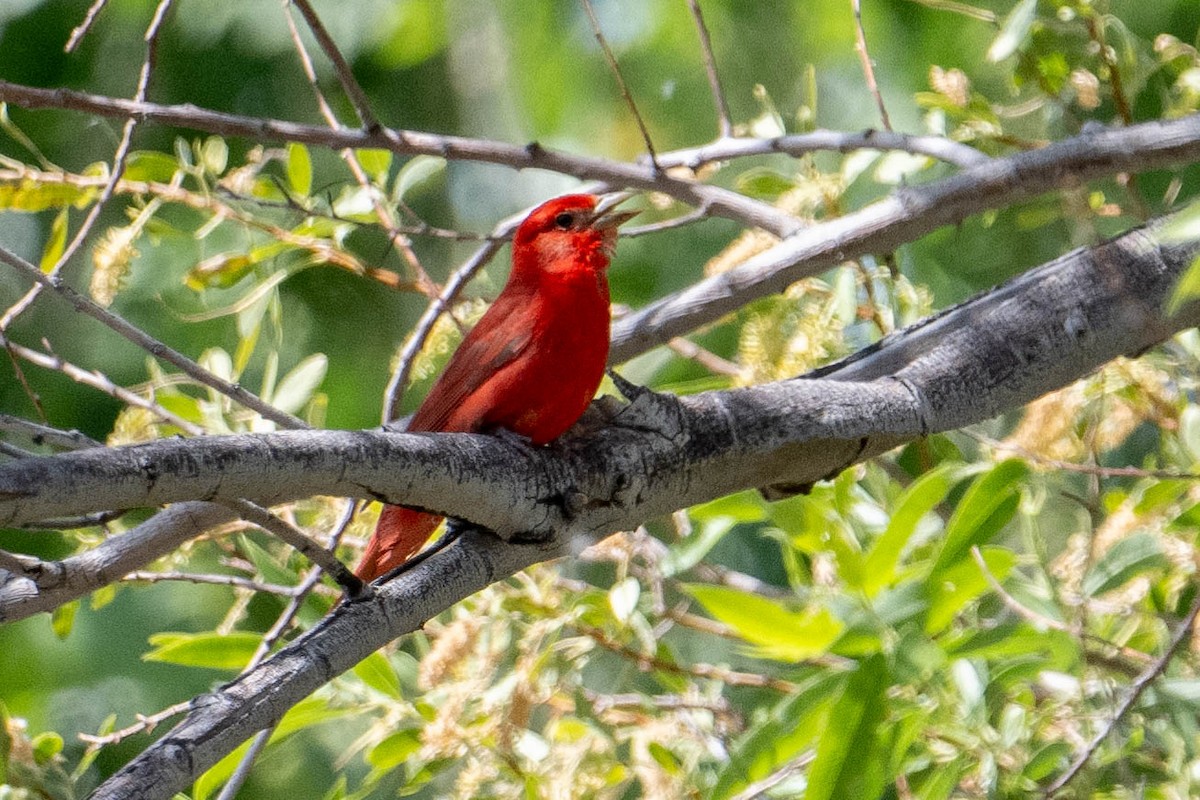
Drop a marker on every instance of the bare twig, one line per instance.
(145, 724)
(798, 144)
(724, 122)
(433, 312)
(705, 358)
(616, 71)
(354, 90)
(45, 434)
(234, 581)
(115, 171)
(100, 382)
(148, 343)
(1182, 633)
(82, 28)
(386, 219)
(864, 57)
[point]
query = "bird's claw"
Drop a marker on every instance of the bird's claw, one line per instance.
(648, 410)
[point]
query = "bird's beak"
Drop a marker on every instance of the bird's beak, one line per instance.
(604, 217)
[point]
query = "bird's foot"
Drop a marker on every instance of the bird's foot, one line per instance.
(647, 410)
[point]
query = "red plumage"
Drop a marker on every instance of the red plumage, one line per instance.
(532, 363)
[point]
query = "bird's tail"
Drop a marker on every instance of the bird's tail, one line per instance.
(399, 534)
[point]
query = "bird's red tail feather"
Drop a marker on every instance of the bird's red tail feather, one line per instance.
(399, 534)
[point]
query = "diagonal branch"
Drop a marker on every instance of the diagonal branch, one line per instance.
(905, 215)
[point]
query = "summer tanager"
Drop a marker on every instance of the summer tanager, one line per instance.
(532, 363)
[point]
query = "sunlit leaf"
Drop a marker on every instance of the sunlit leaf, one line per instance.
(985, 508)
(228, 651)
(56, 243)
(777, 631)
(299, 169)
(376, 162)
(214, 155)
(62, 619)
(416, 174)
(1124, 561)
(951, 589)
(298, 385)
(910, 508)
(849, 763)
(1013, 31)
(376, 671)
(31, 196)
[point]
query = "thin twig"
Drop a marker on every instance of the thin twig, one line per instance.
(234, 581)
(82, 28)
(433, 312)
(705, 358)
(724, 123)
(115, 171)
(354, 90)
(1182, 633)
(616, 70)
(45, 434)
(1084, 469)
(864, 57)
(145, 724)
(370, 125)
(799, 144)
(100, 382)
(148, 343)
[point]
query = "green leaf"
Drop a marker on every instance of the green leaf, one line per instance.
(848, 762)
(416, 174)
(687, 553)
(150, 165)
(764, 184)
(987, 506)
(1124, 561)
(56, 244)
(955, 587)
(376, 671)
(299, 169)
(1181, 227)
(376, 162)
(394, 750)
(793, 724)
(911, 507)
(29, 196)
(230, 651)
(265, 563)
(1014, 31)
(777, 632)
(214, 155)
(46, 746)
(1187, 288)
(63, 619)
(297, 386)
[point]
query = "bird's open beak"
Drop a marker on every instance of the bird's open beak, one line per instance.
(605, 218)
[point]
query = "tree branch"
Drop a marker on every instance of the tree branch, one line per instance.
(905, 215)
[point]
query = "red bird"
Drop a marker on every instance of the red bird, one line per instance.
(533, 362)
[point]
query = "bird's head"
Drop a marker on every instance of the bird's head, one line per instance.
(569, 233)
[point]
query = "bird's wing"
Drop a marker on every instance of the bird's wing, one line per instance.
(455, 402)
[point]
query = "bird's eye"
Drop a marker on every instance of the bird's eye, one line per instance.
(564, 220)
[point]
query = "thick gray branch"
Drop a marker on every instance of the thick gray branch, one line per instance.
(906, 215)
(1001, 349)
